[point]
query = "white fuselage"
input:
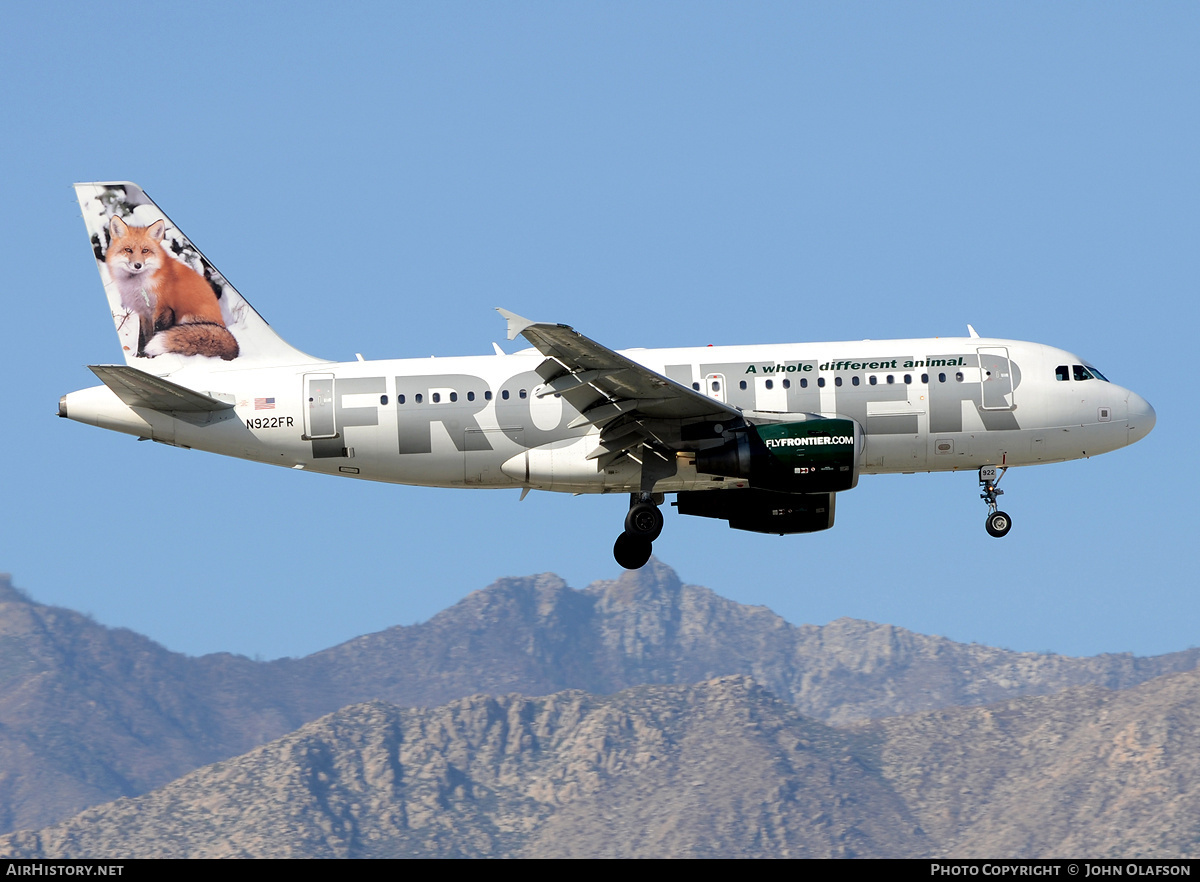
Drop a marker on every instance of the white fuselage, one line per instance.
(924, 405)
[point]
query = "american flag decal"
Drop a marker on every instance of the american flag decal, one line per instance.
(264, 403)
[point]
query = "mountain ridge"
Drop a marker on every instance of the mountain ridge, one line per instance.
(720, 768)
(90, 713)
(667, 771)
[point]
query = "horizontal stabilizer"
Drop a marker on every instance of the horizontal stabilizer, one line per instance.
(140, 389)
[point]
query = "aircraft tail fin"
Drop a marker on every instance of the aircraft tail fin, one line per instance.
(168, 302)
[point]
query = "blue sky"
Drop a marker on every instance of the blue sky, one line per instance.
(376, 178)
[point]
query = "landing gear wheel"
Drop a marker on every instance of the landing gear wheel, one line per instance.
(632, 551)
(998, 524)
(644, 520)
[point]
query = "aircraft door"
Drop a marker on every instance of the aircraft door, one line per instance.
(996, 378)
(714, 386)
(318, 414)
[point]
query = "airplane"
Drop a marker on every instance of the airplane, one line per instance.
(760, 436)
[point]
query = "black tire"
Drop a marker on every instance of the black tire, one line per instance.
(644, 520)
(632, 551)
(998, 524)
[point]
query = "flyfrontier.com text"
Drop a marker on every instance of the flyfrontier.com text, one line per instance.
(819, 440)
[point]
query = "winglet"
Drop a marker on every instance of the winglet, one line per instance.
(516, 323)
(972, 331)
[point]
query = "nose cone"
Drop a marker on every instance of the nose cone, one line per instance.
(1141, 417)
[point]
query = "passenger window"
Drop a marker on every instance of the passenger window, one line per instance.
(383, 399)
(787, 384)
(696, 386)
(891, 380)
(454, 396)
(804, 382)
(959, 376)
(716, 385)
(418, 398)
(924, 378)
(855, 381)
(821, 382)
(399, 399)
(437, 397)
(742, 385)
(770, 384)
(873, 380)
(487, 396)
(837, 381)
(470, 396)
(522, 393)
(504, 394)
(907, 379)
(941, 378)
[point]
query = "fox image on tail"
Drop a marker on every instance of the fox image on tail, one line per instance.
(177, 309)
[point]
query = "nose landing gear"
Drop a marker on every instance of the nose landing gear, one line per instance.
(643, 525)
(998, 523)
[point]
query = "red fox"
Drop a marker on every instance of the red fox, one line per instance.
(177, 308)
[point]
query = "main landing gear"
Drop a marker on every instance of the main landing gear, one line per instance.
(998, 523)
(643, 525)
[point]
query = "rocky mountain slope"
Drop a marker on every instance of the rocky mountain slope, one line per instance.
(1086, 772)
(718, 769)
(89, 713)
(722, 768)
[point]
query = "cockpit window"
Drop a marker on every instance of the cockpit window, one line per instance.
(1081, 373)
(1095, 373)
(1061, 373)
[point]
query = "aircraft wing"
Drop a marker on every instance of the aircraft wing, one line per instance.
(633, 405)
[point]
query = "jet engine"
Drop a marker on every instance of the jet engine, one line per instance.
(811, 456)
(761, 511)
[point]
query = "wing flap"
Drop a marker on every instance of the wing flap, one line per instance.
(567, 382)
(602, 413)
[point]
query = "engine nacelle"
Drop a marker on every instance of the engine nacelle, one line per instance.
(761, 511)
(813, 456)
